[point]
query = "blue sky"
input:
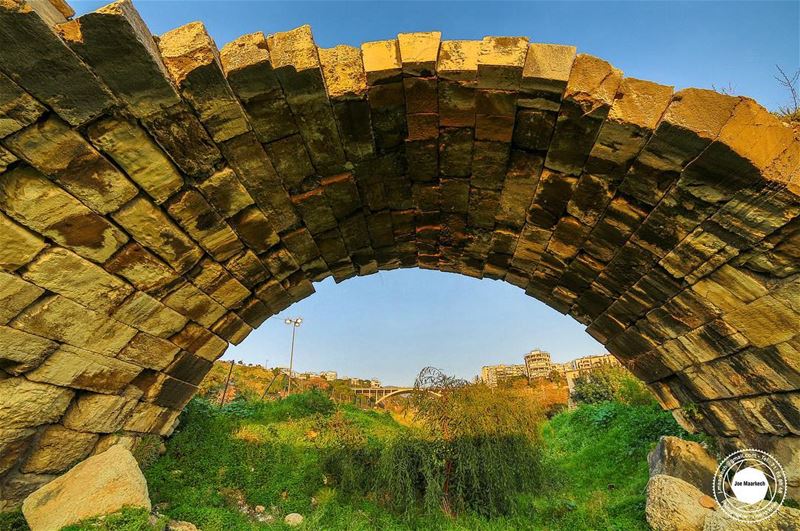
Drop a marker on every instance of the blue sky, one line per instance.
(392, 324)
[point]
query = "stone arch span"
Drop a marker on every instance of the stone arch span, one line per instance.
(160, 198)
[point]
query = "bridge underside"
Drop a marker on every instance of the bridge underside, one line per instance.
(160, 199)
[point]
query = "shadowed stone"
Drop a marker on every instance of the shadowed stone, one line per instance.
(17, 108)
(33, 200)
(63, 154)
(27, 48)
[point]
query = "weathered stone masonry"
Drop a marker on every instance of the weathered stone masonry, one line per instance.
(160, 198)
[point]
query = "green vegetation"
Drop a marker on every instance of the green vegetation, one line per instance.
(476, 459)
(611, 384)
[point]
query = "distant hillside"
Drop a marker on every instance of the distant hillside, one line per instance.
(250, 381)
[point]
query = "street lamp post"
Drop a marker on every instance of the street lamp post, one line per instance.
(295, 324)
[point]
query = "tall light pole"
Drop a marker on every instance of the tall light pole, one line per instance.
(295, 324)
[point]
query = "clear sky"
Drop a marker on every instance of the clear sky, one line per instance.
(392, 324)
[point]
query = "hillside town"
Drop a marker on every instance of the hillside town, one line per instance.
(539, 364)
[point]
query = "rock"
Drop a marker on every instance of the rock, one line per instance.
(674, 505)
(179, 525)
(686, 460)
(100, 485)
(260, 509)
(785, 519)
(57, 449)
(293, 519)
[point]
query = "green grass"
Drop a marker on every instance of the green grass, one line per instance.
(272, 454)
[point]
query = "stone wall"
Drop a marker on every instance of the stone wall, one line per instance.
(161, 198)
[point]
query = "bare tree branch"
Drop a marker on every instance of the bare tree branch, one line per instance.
(790, 83)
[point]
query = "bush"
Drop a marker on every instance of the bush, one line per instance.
(611, 384)
(476, 449)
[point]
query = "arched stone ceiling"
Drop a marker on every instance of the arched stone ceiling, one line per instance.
(160, 198)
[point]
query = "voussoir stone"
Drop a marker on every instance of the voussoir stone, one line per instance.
(82, 369)
(100, 485)
(99, 413)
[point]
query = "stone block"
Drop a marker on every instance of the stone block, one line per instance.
(141, 268)
(248, 159)
(58, 151)
(64, 272)
(419, 52)
(458, 60)
(231, 328)
(192, 59)
(250, 74)
(545, 75)
(296, 62)
(29, 47)
(194, 304)
(63, 320)
(346, 83)
(33, 200)
(82, 369)
(16, 294)
(254, 229)
(57, 449)
(149, 351)
(150, 418)
(13, 444)
(17, 108)
(224, 191)
(382, 62)
(146, 313)
(764, 322)
(201, 342)
(153, 229)
(27, 404)
(115, 41)
(189, 368)
(99, 413)
(216, 282)
(18, 486)
(500, 62)
(136, 153)
(195, 215)
(248, 269)
(21, 352)
(588, 97)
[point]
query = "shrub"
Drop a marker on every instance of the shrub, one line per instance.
(611, 384)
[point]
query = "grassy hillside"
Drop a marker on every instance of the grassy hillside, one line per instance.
(246, 465)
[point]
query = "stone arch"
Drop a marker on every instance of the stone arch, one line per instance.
(160, 198)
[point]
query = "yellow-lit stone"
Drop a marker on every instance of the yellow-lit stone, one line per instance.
(419, 51)
(62, 153)
(86, 283)
(57, 449)
(24, 403)
(82, 369)
(134, 151)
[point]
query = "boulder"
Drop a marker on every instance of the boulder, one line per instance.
(293, 519)
(686, 460)
(785, 519)
(674, 505)
(100, 485)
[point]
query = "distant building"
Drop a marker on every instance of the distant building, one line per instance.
(538, 364)
(355, 381)
(491, 375)
(329, 375)
(374, 383)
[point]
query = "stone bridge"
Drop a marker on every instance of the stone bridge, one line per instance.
(161, 198)
(380, 394)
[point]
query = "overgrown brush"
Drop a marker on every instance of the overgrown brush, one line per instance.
(476, 449)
